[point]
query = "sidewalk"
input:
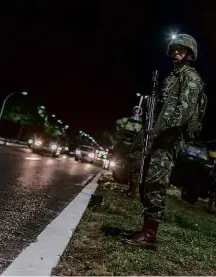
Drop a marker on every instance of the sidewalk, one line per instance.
(186, 239)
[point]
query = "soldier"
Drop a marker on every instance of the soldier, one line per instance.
(184, 90)
(126, 130)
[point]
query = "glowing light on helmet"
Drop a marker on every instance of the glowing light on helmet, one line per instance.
(171, 34)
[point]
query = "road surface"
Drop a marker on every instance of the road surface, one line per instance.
(33, 191)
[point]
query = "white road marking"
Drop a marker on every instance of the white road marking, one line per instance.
(40, 257)
(33, 158)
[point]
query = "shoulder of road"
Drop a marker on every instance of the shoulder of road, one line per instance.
(40, 257)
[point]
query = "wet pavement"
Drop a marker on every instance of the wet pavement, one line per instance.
(33, 191)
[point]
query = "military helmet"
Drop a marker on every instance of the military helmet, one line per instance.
(184, 40)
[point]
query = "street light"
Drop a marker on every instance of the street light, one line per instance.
(11, 94)
(53, 115)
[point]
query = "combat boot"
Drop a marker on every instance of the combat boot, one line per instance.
(144, 238)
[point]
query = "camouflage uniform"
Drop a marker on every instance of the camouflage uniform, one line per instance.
(126, 130)
(185, 86)
(182, 91)
(128, 124)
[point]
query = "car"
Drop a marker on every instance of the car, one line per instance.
(65, 150)
(194, 171)
(85, 153)
(48, 145)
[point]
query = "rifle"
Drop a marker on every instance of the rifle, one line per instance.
(147, 139)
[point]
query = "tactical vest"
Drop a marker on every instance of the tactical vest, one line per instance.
(195, 124)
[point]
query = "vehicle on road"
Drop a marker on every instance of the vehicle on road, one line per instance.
(85, 153)
(102, 158)
(65, 150)
(48, 145)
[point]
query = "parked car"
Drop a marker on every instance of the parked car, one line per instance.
(194, 172)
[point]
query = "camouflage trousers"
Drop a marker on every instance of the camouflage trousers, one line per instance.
(157, 180)
(156, 184)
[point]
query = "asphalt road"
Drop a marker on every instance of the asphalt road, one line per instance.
(33, 191)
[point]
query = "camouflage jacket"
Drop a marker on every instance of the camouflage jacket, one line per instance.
(182, 92)
(125, 123)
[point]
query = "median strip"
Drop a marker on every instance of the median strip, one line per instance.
(186, 241)
(40, 257)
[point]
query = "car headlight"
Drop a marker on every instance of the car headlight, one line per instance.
(91, 155)
(112, 164)
(77, 152)
(38, 142)
(54, 146)
(30, 141)
(66, 148)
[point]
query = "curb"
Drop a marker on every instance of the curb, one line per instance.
(40, 257)
(16, 145)
(6, 143)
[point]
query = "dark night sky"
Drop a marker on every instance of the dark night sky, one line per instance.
(86, 60)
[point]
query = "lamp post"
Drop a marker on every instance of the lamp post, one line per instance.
(11, 94)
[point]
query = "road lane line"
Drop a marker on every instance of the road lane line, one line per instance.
(40, 257)
(33, 158)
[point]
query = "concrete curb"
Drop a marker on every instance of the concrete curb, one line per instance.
(7, 143)
(40, 257)
(17, 145)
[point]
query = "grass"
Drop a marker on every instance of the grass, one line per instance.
(186, 240)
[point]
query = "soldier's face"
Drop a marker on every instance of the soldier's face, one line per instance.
(179, 53)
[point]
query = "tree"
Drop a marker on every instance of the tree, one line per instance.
(18, 116)
(51, 129)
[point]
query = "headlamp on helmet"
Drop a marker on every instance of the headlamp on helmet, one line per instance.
(183, 40)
